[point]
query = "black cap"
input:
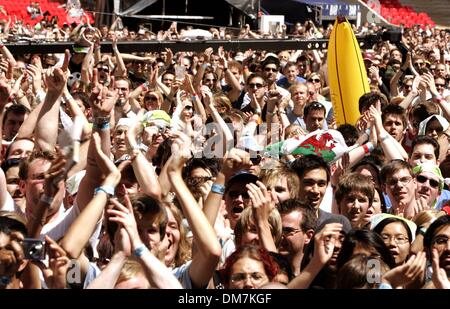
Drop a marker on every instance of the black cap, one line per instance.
(242, 175)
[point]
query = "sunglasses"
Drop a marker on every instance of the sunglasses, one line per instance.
(106, 70)
(315, 80)
(236, 194)
(255, 85)
(433, 183)
(256, 161)
(188, 107)
(153, 98)
(440, 85)
(270, 69)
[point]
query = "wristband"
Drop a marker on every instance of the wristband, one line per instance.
(446, 209)
(367, 131)
(109, 190)
(140, 250)
(101, 126)
(370, 146)
(4, 280)
(422, 231)
(366, 148)
(385, 286)
(46, 199)
(219, 189)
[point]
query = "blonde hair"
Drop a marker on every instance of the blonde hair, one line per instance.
(131, 269)
(427, 216)
(184, 253)
(246, 220)
(270, 177)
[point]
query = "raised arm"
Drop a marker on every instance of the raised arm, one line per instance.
(324, 243)
(391, 147)
(156, 272)
(47, 124)
(121, 69)
(207, 256)
(145, 174)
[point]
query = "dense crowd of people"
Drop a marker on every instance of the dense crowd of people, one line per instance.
(189, 170)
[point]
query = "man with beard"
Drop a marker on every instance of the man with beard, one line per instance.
(437, 246)
(298, 223)
(399, 184)
(314, 175)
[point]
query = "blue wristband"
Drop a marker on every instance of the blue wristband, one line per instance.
(219, 189)
(384, 286)
(140, 250)
(106, 189)
(101, 126)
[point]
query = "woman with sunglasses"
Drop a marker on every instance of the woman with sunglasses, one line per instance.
(153, 100)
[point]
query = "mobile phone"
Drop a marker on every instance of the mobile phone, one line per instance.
(33, 249)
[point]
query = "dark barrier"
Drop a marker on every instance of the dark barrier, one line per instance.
(366, 42)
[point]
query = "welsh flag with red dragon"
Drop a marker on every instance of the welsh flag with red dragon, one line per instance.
(328, 144)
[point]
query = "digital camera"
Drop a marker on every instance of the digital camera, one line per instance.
(33, 249)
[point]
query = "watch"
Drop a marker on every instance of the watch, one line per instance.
(422, 231)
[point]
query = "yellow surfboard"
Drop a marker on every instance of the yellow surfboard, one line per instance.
(346, 72)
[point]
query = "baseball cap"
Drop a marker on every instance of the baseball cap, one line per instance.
(242, 175)
(159, 117)
(126, 122)
(270, 57)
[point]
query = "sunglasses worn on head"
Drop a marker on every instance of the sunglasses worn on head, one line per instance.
(433, 182)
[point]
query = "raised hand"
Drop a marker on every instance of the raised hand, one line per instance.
(262, 202)
(324, 243)
(180, 151)
(124, 215)
(56, 80)
(103, 101)
(55, 175)
(408, 272)
(108, 168)
(55, 274)
(5, 92)
(440, 279)
(235, 160)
